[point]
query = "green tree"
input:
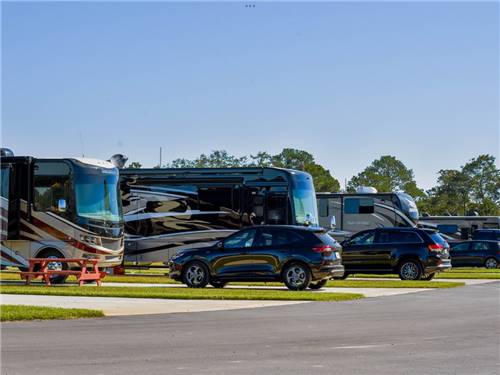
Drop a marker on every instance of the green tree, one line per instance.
(304, 161)
(387, 174)
(262, 159)
(473, 188)
(292, 159)
(135, 164)
(323, 180)
(216, 159)
(287, 158)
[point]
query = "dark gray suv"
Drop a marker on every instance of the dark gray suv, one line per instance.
(412, 253)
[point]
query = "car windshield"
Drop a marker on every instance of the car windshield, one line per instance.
(97, 197)
(304, 201)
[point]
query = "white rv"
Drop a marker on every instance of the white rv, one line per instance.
(61, 208)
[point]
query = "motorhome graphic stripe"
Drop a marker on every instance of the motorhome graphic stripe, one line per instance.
(9, 258)
(62, 236)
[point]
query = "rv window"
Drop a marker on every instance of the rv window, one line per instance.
(323, 207)
(358, 206)
(216, 199)
(5, 182)
(47, 192)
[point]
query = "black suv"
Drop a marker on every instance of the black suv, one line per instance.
(475, 254)
(411, 252)
(300, 257)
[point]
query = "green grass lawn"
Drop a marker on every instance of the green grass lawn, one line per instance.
(25, 312)
(179, 293)
(349, 283)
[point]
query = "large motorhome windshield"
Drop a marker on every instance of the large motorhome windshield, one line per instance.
(304, 201)
(97, 198)
(408, 206)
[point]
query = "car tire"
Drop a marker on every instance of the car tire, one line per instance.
(410, 270)
(218, 284)
(343, 277)
(428, 277)
(297, 276)
(195, 275)
(53, 253)
(491, 263)
(318, 285)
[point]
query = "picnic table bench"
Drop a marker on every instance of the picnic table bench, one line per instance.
(83, 274)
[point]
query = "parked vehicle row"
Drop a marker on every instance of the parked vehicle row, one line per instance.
(303, 257)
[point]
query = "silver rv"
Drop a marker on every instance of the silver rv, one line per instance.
(349, 213)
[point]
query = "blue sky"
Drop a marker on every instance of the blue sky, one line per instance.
(348, 82)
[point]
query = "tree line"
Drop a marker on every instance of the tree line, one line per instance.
(474, 188)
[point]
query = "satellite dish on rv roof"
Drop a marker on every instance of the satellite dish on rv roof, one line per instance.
(6, 152)
(118, 160)
(366, 190)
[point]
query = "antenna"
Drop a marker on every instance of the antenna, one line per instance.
(81, 143)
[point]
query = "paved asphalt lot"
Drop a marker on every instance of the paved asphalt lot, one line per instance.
(444, 331)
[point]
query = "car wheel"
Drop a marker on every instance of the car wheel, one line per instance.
(56, 266)
(428, 277)
(218, 284)
(195, 275)
(491, 263)
(343, 277)
(297, 276)
(410, 270)
(318, 285)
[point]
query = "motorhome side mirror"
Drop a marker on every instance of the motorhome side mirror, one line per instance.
(333, 222)
(61, 205)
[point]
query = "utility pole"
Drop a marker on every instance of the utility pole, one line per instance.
(160, 158)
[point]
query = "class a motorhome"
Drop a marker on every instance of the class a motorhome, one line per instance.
(167, 210)
(460, 227)
(60, 207)
(350, 213)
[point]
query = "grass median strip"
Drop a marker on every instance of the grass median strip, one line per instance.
(349, 283)
(26, 312)
(180, 293)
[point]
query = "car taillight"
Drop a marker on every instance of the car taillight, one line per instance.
(322, 249)
(435, 247)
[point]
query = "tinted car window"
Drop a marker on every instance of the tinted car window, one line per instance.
(362, 239)
(277, 238)
(480, 246)
(241, 239)
(327, 239)
(405, 237)
(464, 246)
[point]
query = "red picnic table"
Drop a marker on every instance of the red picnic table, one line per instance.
(83, 274)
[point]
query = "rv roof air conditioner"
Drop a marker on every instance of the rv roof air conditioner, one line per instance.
(6, 152)
(118, 160)
(366, 190)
